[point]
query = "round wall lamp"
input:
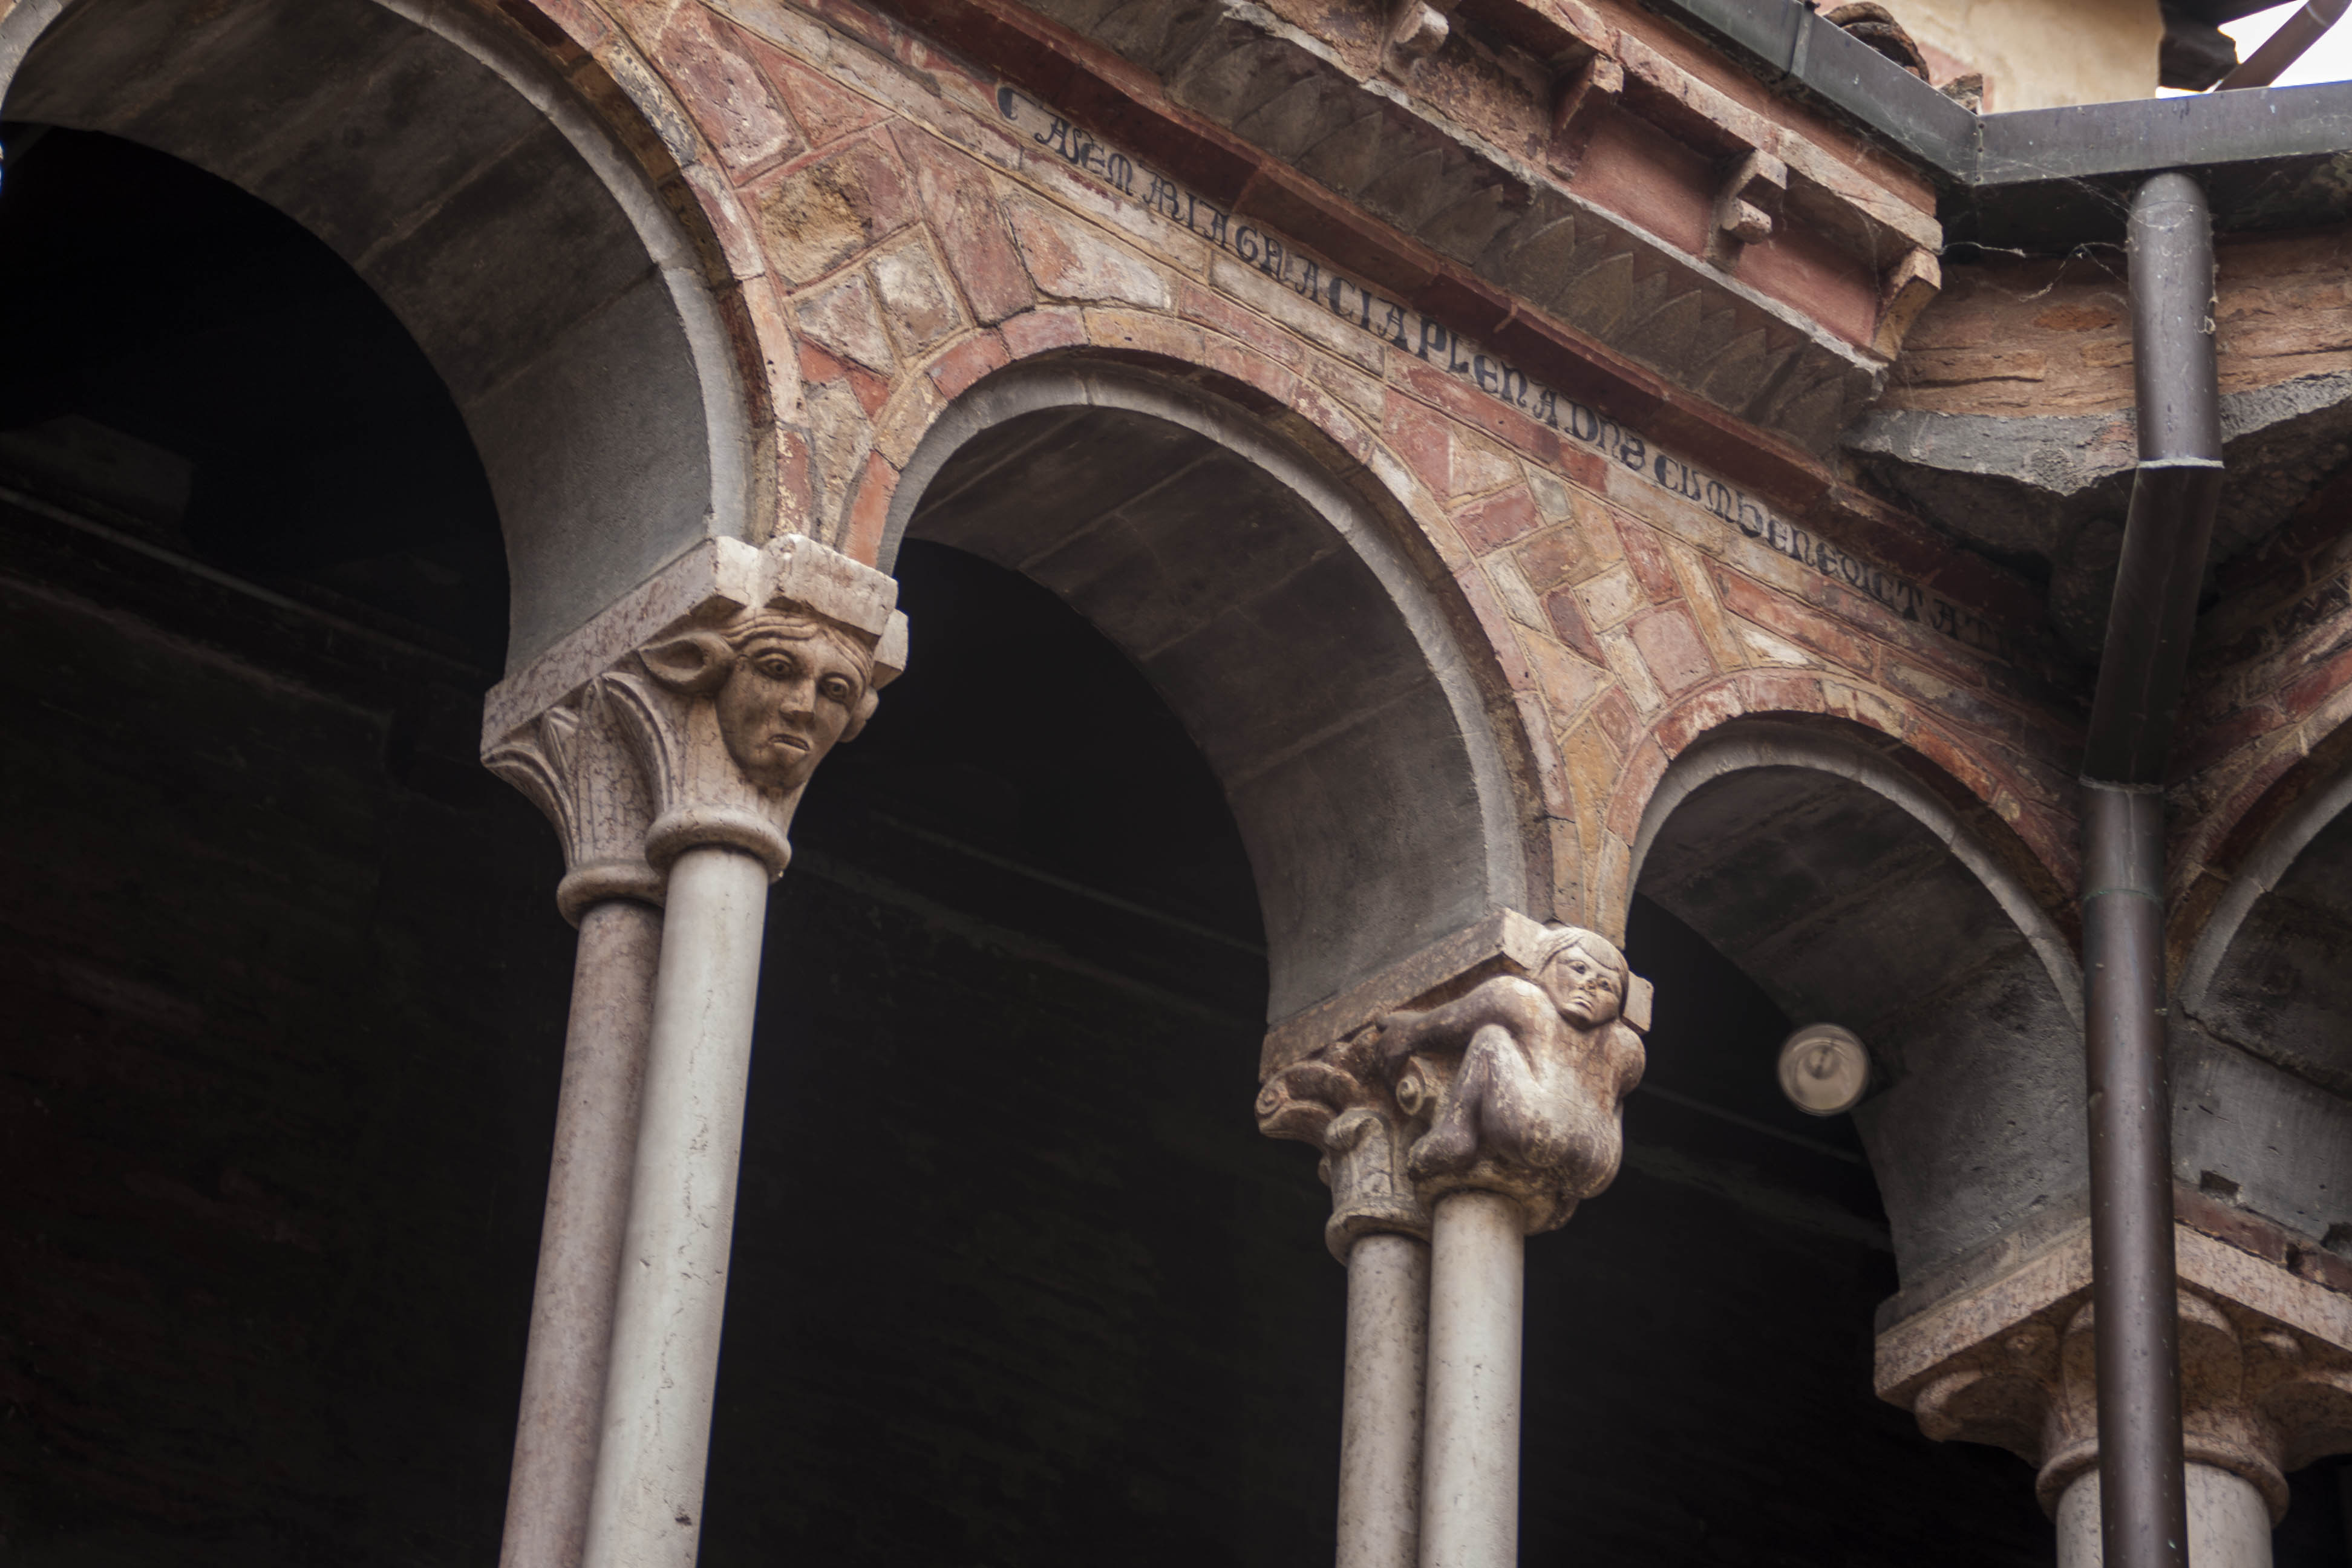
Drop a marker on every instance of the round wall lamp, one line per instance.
(1824, 1069)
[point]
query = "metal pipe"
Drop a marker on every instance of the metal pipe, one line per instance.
(2286, 45)
(2143, 1501)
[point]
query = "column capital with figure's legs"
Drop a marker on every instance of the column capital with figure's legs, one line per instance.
(1461, 1099)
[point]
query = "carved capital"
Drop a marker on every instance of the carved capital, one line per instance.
(694, 711)
(1517, 1085)
(572, 764)
(1336, 1101)
(2265, 1361)
(1496, 1059)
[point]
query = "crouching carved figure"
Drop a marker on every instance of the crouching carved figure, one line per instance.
(1520, 1080)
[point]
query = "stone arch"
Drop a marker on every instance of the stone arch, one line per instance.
(1370, 760)
(2261, 1043)
(502, 219)
(1813, 855)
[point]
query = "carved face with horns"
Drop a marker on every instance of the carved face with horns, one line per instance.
(787, 685)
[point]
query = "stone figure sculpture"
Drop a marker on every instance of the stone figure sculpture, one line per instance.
(1521, 1080)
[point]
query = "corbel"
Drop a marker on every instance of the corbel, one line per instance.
(1747, 205)
(1908, 288)
(1417, 29)
(1578, 104)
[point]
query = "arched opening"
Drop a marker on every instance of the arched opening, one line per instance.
(1800, 867)
(2262, 1054)
(524, 252)
(322, 317)
(1282, 621)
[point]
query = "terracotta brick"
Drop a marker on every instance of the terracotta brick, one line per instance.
(1551, 777)
(1865, 706)
(1770, 691)
(872, 391)
(1567, 681)
(1556, 558)
(979, 249)
(1492, 523)
(1424, 444)
(1672, 647)
(1648, 560)
(2303, 695)
(742, 116)
(1799, 625)
(1567, 620)
(1041, 331)
(820, 213)
(869, 509)
(1591, 763)
(1965, 767)
(1070, 260)
(826, 113)
(968, 362)
(1609, 597)
(1636, 783)
(1705, 711)
(817, 367)
(1278, 384)
(1618, 721)
(1195, 303)
(1456, 397)
(1954, 701)
(2208, 743)
(795, 499)
(1482, 604)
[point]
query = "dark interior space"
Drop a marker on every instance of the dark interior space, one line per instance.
(212, 379)
(1015, 1279)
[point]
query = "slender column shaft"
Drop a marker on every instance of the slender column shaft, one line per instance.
(1380, 1413)
(2228, 1524)
(1470, 1468)
(579, 1239)
(646, 1508)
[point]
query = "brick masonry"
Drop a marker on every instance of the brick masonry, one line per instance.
(892, 236)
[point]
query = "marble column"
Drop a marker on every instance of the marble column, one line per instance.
(2267, 1386)
(758, 662)
(1379, 1231)
(570, 764)
(1495, 1109)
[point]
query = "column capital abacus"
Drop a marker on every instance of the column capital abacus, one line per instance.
(695, 708)
(2266, 1356)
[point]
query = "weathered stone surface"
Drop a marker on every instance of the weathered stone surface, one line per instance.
(2266, 1363)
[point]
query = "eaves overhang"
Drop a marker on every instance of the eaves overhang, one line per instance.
(2046, 180)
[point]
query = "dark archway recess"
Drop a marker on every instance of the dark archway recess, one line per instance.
(249, 403)
(528, 258)
(1361, 743)
(1844, 908)
(286, 985)
(2262, 1054)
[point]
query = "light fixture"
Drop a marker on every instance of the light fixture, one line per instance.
(1824, 1069)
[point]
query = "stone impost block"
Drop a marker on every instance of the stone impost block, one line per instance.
(2266, 1364)
(695, 708)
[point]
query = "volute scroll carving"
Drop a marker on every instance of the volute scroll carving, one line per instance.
(709, 731)
(1337, 1100)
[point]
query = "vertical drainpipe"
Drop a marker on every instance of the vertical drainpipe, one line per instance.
(2178, 484)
